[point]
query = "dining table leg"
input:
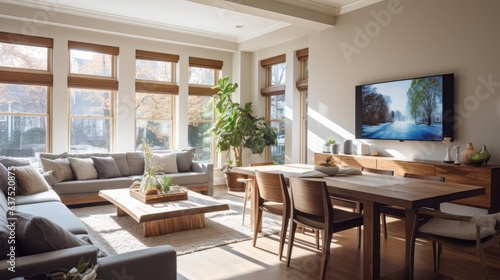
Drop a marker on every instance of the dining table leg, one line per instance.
(410, 216)
(371, 240)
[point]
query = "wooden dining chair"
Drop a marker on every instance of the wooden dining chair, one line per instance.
(274, 198)
(311, 206)
(399, 212)
(463, 233)
(247, 182)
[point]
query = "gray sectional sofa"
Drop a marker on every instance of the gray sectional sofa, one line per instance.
(71, 180)
(39, 234)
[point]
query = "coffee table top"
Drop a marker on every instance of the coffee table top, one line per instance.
(195, 204)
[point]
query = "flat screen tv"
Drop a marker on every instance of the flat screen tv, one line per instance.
(418, 109)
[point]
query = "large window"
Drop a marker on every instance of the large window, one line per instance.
(203, 74)
(155, 99)
(92, 86)
(275, 103)
(25, 86)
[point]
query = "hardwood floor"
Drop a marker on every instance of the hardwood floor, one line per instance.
(243, 261)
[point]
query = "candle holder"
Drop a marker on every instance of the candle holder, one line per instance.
(457, 155)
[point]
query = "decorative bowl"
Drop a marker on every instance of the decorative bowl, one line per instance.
(328, 170)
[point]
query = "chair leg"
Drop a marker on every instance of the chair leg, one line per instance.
(436, 250)
(327, 239)
(284, 226)
(291, 238)
(384, 224)
(247, 196)
(316, 233)
(483, 263)
(256, 226)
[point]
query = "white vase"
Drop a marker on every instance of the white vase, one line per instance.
(448, 158)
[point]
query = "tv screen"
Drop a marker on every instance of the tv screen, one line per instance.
(419, 109)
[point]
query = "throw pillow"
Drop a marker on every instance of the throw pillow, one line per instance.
(36, 235)
(10, 161)
(5, 181)
(30, 180)
(83, 168)
(184, 160)
(167, 163)
(60, 167)
(106, 167)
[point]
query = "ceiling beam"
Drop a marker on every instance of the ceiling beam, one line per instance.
(276, 11)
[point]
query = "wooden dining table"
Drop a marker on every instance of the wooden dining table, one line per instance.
(373, 191)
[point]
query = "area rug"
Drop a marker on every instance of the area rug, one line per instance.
(123, 234)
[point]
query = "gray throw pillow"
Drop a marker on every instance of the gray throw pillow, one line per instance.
(184, 160)
(106, 167)
(83, 168)
(36, 235)
(60, 167)
(10, 161)
(30, 180)
(4, 175)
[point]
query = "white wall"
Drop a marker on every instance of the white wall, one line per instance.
(403, 39)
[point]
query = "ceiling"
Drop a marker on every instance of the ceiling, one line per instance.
(230, 20)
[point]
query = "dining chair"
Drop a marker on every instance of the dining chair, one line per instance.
(311, 206)
(274, 198)
(399, 212)
(247, 182)
(463, 233)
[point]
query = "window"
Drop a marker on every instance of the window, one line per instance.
(25, 87)
(92, 86)
(203, 74)
(155, 99)
(303, 85)
(275, 103)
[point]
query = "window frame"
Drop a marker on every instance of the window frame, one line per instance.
(31, 77)
(94, 82)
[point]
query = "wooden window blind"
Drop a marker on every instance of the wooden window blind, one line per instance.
(202, 90)
(302, 56)
(147, 55)
(93, 48)
(20, 39)
(273, 60)
(205, 63)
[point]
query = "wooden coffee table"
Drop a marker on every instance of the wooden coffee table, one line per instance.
(165, 217)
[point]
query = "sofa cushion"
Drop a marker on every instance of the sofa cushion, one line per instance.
(122, 163)
(53, 156)
(189, 178)
(90, 187)
(6, 163)
(184, 159)
(89, 240)
(47, 196)
(167, 163)
(4, 230)
(61, 168)
(136, 163)
(37, 235)
(30, 180)
(106, 167)
(83, 168)
(55, 212)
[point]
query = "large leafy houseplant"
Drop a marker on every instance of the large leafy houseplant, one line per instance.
(236, 127)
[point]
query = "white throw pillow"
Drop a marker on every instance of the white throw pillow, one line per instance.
(167, 163)
(83, 168)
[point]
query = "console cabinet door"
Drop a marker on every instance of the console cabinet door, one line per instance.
(401, 167)
(468, 175)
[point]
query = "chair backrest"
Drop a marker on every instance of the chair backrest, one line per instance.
(425, 177)
(261, 163)
(272, 186)
(310, 197)
(378, 171)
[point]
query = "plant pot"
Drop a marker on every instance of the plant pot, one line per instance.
(232, 181)
(327, 148)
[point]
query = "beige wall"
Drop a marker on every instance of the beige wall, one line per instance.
(418, 38)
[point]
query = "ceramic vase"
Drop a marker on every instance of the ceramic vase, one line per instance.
(477, 159)
(466, 154)
(448, 158)
(486, 154)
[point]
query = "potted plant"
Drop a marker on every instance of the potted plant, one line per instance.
(236, 128)
(327, 146)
